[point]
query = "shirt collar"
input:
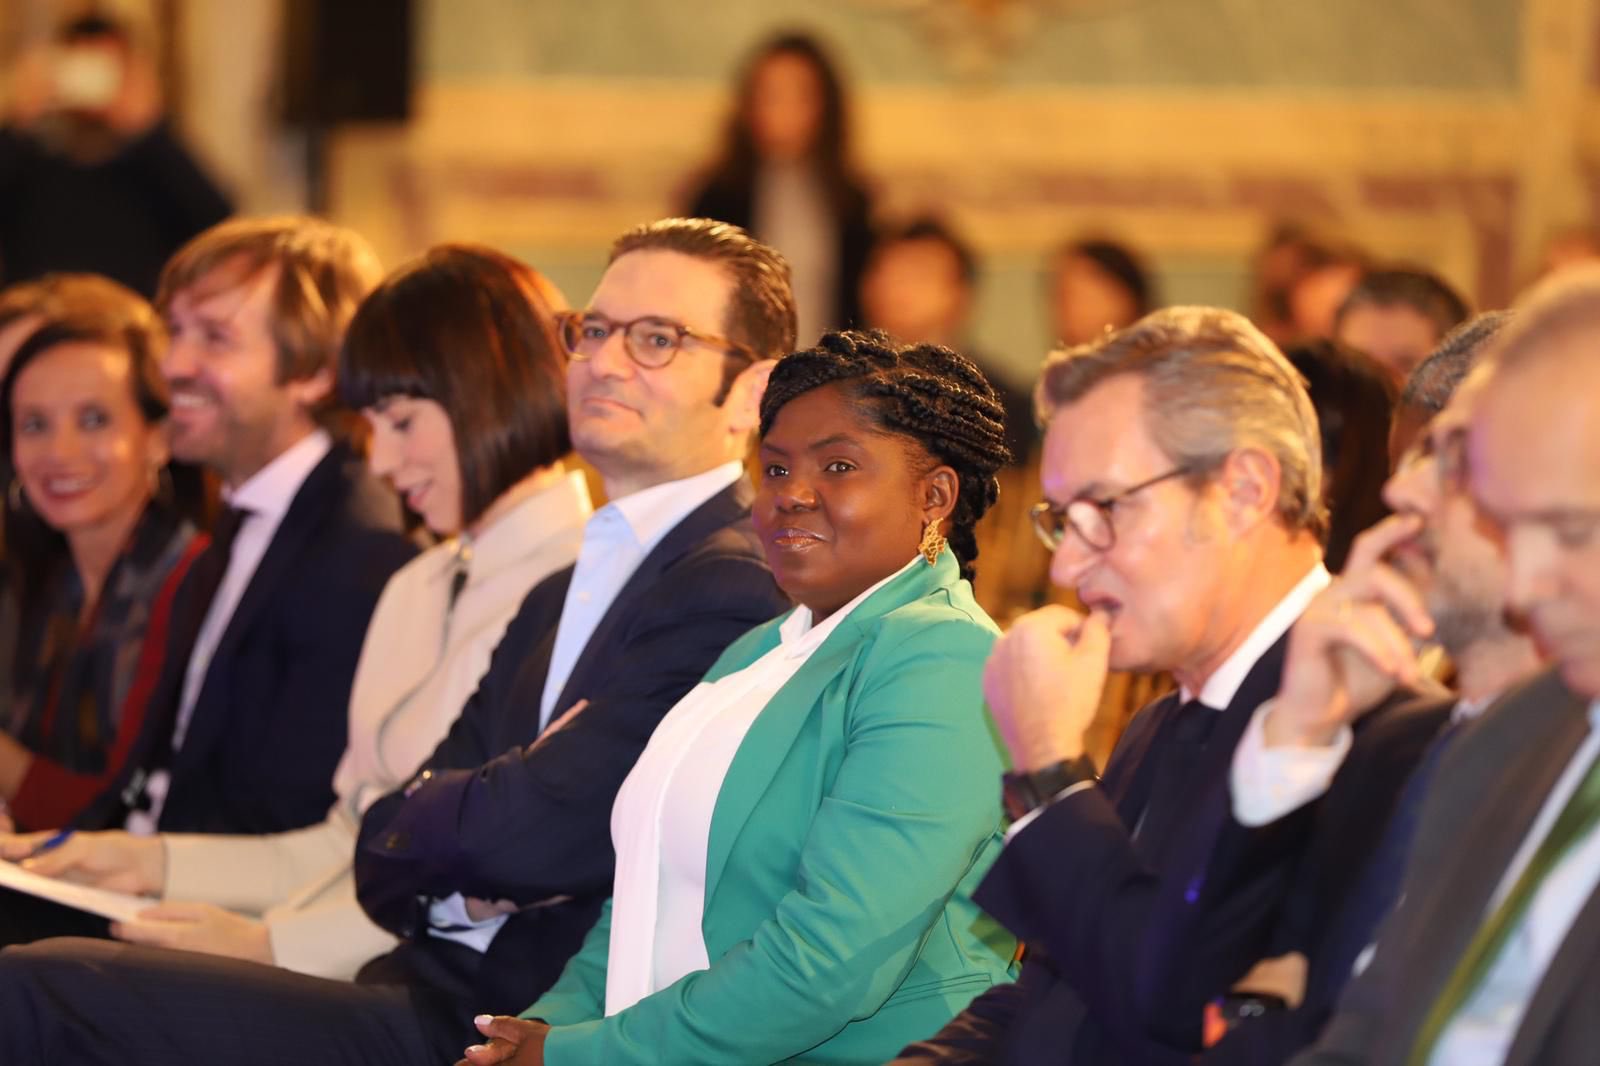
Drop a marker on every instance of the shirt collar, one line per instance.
(1594, 715)
(650, 513)
(554, 509)
(269, 491)
(1223, 684)
(1467, 710)
(799, 636)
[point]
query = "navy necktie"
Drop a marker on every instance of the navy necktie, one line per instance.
(1176, 757)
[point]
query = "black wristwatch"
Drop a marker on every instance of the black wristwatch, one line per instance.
(1026, 792)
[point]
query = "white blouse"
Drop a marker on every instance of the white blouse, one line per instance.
(661, 821)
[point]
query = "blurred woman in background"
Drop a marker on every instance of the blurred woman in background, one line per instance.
(784, 175)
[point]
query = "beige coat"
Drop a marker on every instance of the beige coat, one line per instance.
(415, 673)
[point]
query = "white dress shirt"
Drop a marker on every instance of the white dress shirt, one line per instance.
(1482, 1031)
(661, 821)
(616, 540)
(265, 498)
(1223, 685)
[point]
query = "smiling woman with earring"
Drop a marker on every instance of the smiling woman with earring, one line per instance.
(796, 846)
(94, 547)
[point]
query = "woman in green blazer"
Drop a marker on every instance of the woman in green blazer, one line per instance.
(797, 845)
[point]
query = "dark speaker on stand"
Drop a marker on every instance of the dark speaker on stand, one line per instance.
(344, 61)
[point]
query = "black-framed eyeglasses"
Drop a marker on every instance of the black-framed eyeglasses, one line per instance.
(1090, 516)
(651, 341)
(1449, 454)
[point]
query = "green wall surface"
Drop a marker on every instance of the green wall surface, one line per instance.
(1342, 45)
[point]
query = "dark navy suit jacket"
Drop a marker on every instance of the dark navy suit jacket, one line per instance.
(1348, 875)
(271, 718)
(496, 819)
(1127, 947)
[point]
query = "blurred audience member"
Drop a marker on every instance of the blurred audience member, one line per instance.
(97, 303)
(1431, 385)
(1398, 317)
(919, 287)
(1276, 266)
(1327, 278)
(95, 549)
(1354, 398)
(1095, 285)
(785, 176)
(91, 176)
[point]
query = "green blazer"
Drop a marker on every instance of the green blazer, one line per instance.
(859, 813)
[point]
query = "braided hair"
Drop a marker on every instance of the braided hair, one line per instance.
(922, 391)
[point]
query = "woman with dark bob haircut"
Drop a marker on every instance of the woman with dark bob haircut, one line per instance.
(797, 845)
(456, 365)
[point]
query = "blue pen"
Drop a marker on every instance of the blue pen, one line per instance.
(55, 841)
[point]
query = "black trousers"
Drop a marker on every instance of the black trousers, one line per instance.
(104, 1003)
(25, 918)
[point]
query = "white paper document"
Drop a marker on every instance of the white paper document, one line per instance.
(114, 905)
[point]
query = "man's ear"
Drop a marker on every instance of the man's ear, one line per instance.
(1249, 479)
(744, 397)
(941, 487)
(310, 392)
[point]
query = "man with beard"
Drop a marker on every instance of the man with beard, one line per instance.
(1491, 954)
(1431, 557)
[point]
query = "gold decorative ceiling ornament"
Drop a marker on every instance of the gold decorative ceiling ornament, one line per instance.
(975, 35)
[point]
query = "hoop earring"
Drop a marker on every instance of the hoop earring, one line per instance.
(933, 542)
(161, 487)
(14, 495)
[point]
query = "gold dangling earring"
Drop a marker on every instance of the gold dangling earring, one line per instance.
(19, 502)
(933, 542)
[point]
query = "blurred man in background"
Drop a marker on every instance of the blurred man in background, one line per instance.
(92, 178)
(1398, 317)
(920, 287)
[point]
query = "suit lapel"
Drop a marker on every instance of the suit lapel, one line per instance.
(1489, 838)
(725, 508)
(772, 735)
(552, 594)
(314, 501)
(1128, 777)
(1573, 965)
(1259, 685)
